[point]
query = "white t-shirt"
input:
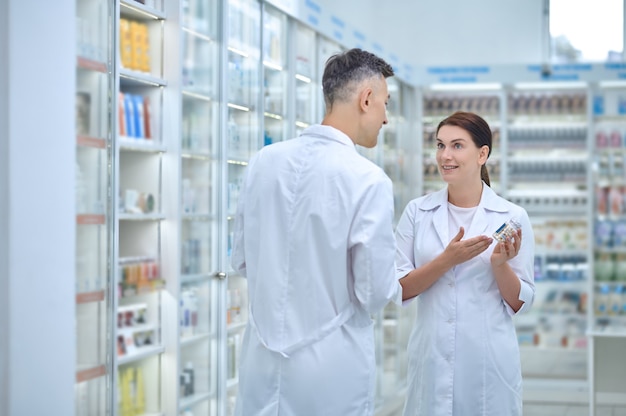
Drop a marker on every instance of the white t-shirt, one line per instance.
(459, 217)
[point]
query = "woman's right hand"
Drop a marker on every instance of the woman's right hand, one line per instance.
(459, 251)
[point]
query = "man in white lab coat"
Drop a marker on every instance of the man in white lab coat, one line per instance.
(314, 237)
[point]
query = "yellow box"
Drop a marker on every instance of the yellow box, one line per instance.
(126, 49)
(137, 43)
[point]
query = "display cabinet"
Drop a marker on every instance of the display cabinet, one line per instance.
(307, 79)
(142, 257)
(398, 147)
(390, 139)
(547, 171)
(244, 122)
(276, 87)
(607, 289)
(325, 49)
(94, 314)
(200, 147)
(396, 143)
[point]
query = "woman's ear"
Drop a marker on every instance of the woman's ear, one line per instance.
(484, 153)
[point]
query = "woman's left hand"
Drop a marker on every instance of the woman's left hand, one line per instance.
(507, 250)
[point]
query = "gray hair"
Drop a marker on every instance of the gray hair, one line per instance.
(343, 71)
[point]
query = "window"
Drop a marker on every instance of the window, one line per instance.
(586, 31)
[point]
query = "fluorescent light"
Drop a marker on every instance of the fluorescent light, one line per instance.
(198, 34)
(237, 162)
(303, 78)
(196, 95)
(492, 86)
(549, 85)
(274, 116)
(238, 107)
(272, 66)
(238, 52)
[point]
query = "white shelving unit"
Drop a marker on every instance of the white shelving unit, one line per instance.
(276, 77)
(395, 151)
(245, 120)
(562, 158)
(145, 251)
(547, 173)
(607, 289)
(306, 77)
(199, 222)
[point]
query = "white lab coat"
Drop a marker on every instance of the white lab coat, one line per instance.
(314, 237)
(463, 350)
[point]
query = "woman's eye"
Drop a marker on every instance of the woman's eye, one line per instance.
(458, 146)
(439, 146)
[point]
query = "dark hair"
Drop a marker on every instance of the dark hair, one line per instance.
(478, 129)
(343, 70)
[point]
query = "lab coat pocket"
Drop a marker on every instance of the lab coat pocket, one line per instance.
(503, 359)
(361, 361)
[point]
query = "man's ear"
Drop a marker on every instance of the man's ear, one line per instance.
(365, 98)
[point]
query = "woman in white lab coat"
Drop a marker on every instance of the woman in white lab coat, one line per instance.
(463, 351)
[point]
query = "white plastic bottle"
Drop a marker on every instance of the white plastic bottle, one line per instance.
(507, 231)
(189, 372)
(233, 134)
(615, 301)
(602, 300)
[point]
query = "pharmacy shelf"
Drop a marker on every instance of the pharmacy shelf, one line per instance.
(91, 373)
(236, 326)
(140, 145)
(187, 341)
(92, 142)
(607, 316)
(91, 64)
(90, 297)
(607, 334)
(140, 354)
(190, 401)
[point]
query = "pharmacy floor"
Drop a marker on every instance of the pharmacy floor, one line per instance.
(542, 398)
(570, 410)
(532, 409)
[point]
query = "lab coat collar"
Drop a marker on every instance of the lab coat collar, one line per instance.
(328, 132)
(489, 201)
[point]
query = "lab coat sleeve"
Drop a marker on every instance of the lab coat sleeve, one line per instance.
(238, 253)
(405, 245)
(405, 241)
(523, 266)
(372, 246)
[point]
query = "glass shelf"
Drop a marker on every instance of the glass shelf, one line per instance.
(199, 222)
(143, 274)
(94, 230)
(275, 72)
